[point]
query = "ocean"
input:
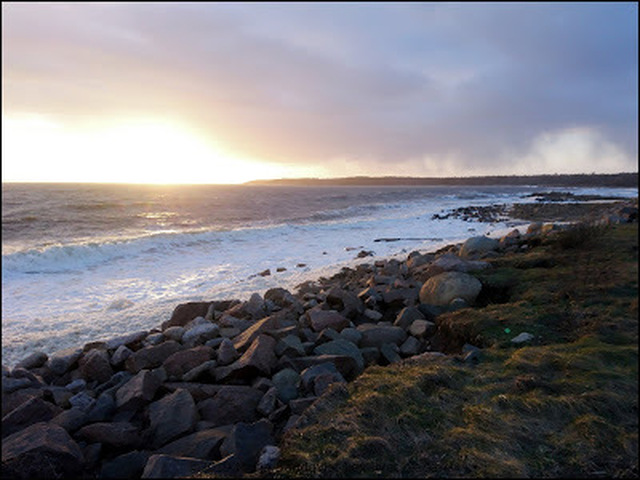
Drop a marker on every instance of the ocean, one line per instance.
(84, 262)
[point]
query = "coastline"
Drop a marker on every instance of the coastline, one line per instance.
(210, 354)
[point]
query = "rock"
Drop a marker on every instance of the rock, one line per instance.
(168, 466)
(345, 364)
(290, 345)
(443, 288)
(406, 317)
(115, 434)
(152, 356)
(321, 319)
(138, 390)
(420, 328)
(174, 333)
(228, 467)
(268, 458)
(534, 228)
(272, 322)
(255, 307)
(342, 347)
(128, 340)
(309, 375)
(227, 353)
(198, 334)
(268, 402)
(186, 312)
(153, 339)
(171, 416)
(246, 441)
(95, 365)
(282, 298)
(345, 302)
(299, 405)
(180, 362)
(410, 347)
(120, 355)
(127, 465)
(232, 404)
(510, 239)
(82, 400)
(286, 382)
(204, 444)
(352, 335)
(103, 408)
(450, 262)
(77, 385)
(377, 335)
(71, 420)
(42, 450)
(206, 371)
(372, 315)
(523, 337)
(60, 362)
(10, 385)
(259, 358)
(35, 360)
(13, 400)
(478, 246)
(389, 353)
(32, 411)
(229, 321)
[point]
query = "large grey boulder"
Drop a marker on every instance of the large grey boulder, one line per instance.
(477, 246)
(63, 360)
(115, 434)
(42, 450)
(260, 358)
(151, 356)
(286, 382)
(321, 319)
(232, 404)
(96, 365)
(180, 362)
(32, 411)
(171, 416)
(443, 288)
(378, 335)
(204, 444)
(342, 347)
(246, 441)
(138, 390)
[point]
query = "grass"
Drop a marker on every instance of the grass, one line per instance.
(564, 405)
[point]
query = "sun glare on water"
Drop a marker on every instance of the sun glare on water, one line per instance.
(36, 149)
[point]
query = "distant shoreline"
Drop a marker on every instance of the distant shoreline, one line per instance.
(621, 180)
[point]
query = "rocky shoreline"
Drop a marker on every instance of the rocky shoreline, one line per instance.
(215, 387)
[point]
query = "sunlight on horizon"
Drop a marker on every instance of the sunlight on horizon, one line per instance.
(37, 149)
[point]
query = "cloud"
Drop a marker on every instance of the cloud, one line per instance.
(423, 88)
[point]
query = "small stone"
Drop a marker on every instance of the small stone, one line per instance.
(523, 337)
(269, 457)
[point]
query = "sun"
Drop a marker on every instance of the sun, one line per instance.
(141, 150)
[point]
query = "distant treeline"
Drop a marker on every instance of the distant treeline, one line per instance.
(628, 180)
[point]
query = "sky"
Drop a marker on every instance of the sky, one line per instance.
(180, 92)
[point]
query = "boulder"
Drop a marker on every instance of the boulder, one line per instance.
(72, 419)
(443, 288)
(342, 347)
(290, 345)
(345, 364)
(61, 361)
(32, 411)
(204, 444)
(451, 262)
(168, 466)
(114, 434)
(246, 441)
(95, 365)
(272, 322)
(321, 319)
(477, 246)
(345, 302)
(255, 307)
(120, 355)
(35, 360)
(128, 340)
(227, 353)
(42, 450)
(152, 356)
(171, 416)
(286, 382)
(406, 317)
(259, 358)
(186, 312)
(309, 375)
(232, 404)
(137, 391)
(127, 465)
(180, 362)
(269, 457)
(420, 328)
(200, 333)
(378, 335)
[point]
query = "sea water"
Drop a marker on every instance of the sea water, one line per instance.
(84, 262)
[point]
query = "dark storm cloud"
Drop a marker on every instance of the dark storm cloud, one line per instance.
(475, 85)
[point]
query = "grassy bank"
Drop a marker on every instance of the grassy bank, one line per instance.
(562, 404)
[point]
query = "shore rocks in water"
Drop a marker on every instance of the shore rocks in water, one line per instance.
(218, 384)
